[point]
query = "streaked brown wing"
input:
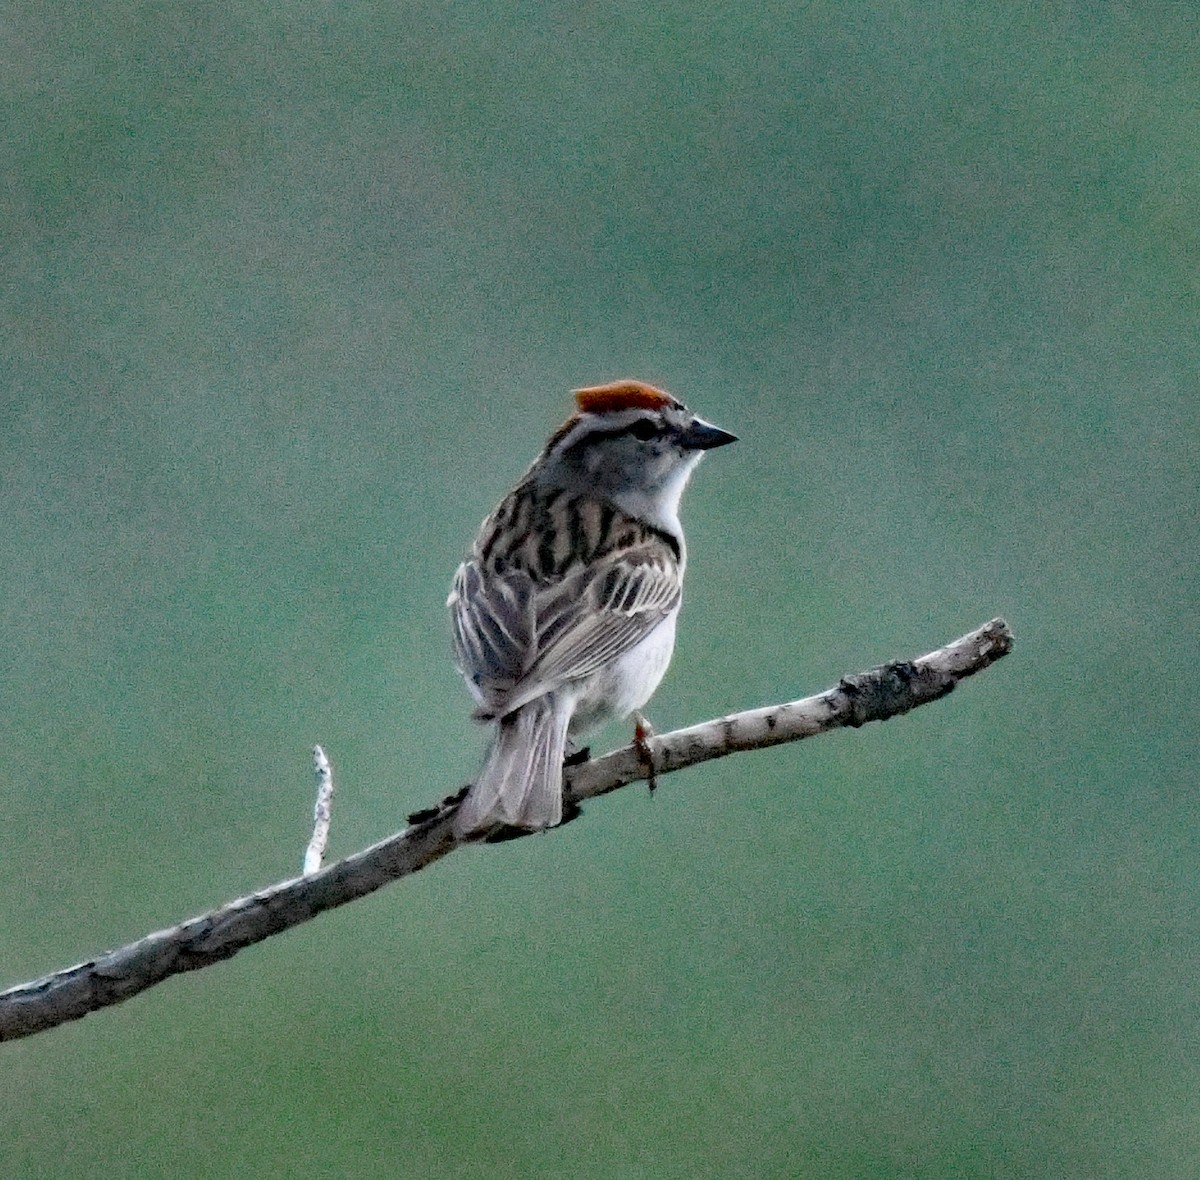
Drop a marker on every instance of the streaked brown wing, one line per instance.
(493, 626)
(585, 625)
(516, 638)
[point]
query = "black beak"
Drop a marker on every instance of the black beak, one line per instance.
(704, 436)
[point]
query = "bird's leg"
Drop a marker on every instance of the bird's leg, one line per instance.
(643, 731)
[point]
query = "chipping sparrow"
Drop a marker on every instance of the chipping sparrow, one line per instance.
(564, 612)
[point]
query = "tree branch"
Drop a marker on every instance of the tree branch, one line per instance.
(876, 695)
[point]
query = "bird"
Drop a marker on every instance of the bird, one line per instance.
(563, 613)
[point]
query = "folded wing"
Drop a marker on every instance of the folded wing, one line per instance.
(517, 637)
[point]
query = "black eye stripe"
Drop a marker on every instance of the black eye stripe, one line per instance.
(643, 429)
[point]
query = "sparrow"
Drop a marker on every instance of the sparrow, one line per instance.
(563, 613)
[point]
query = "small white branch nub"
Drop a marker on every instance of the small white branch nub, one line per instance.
(322, 813)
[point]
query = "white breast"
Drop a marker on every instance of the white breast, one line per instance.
(628, 682)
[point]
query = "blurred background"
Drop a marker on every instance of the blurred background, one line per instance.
(293, 292)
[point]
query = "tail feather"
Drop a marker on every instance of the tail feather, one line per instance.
(521, 781)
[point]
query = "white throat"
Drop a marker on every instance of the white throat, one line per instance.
(660, 505)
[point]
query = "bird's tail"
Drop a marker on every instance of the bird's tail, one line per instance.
(521, 781)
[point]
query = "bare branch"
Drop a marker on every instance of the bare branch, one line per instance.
(884, 692)
(322, 813)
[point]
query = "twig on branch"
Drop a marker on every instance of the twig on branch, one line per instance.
(322, 813)
(877, 695)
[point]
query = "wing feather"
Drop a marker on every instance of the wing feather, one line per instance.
(623, 600)
(493, 626)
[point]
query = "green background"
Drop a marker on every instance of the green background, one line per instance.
(293, 292)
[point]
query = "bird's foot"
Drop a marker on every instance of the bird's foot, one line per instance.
(643, 731)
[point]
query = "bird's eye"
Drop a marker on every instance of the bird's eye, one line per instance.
(644, 429)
